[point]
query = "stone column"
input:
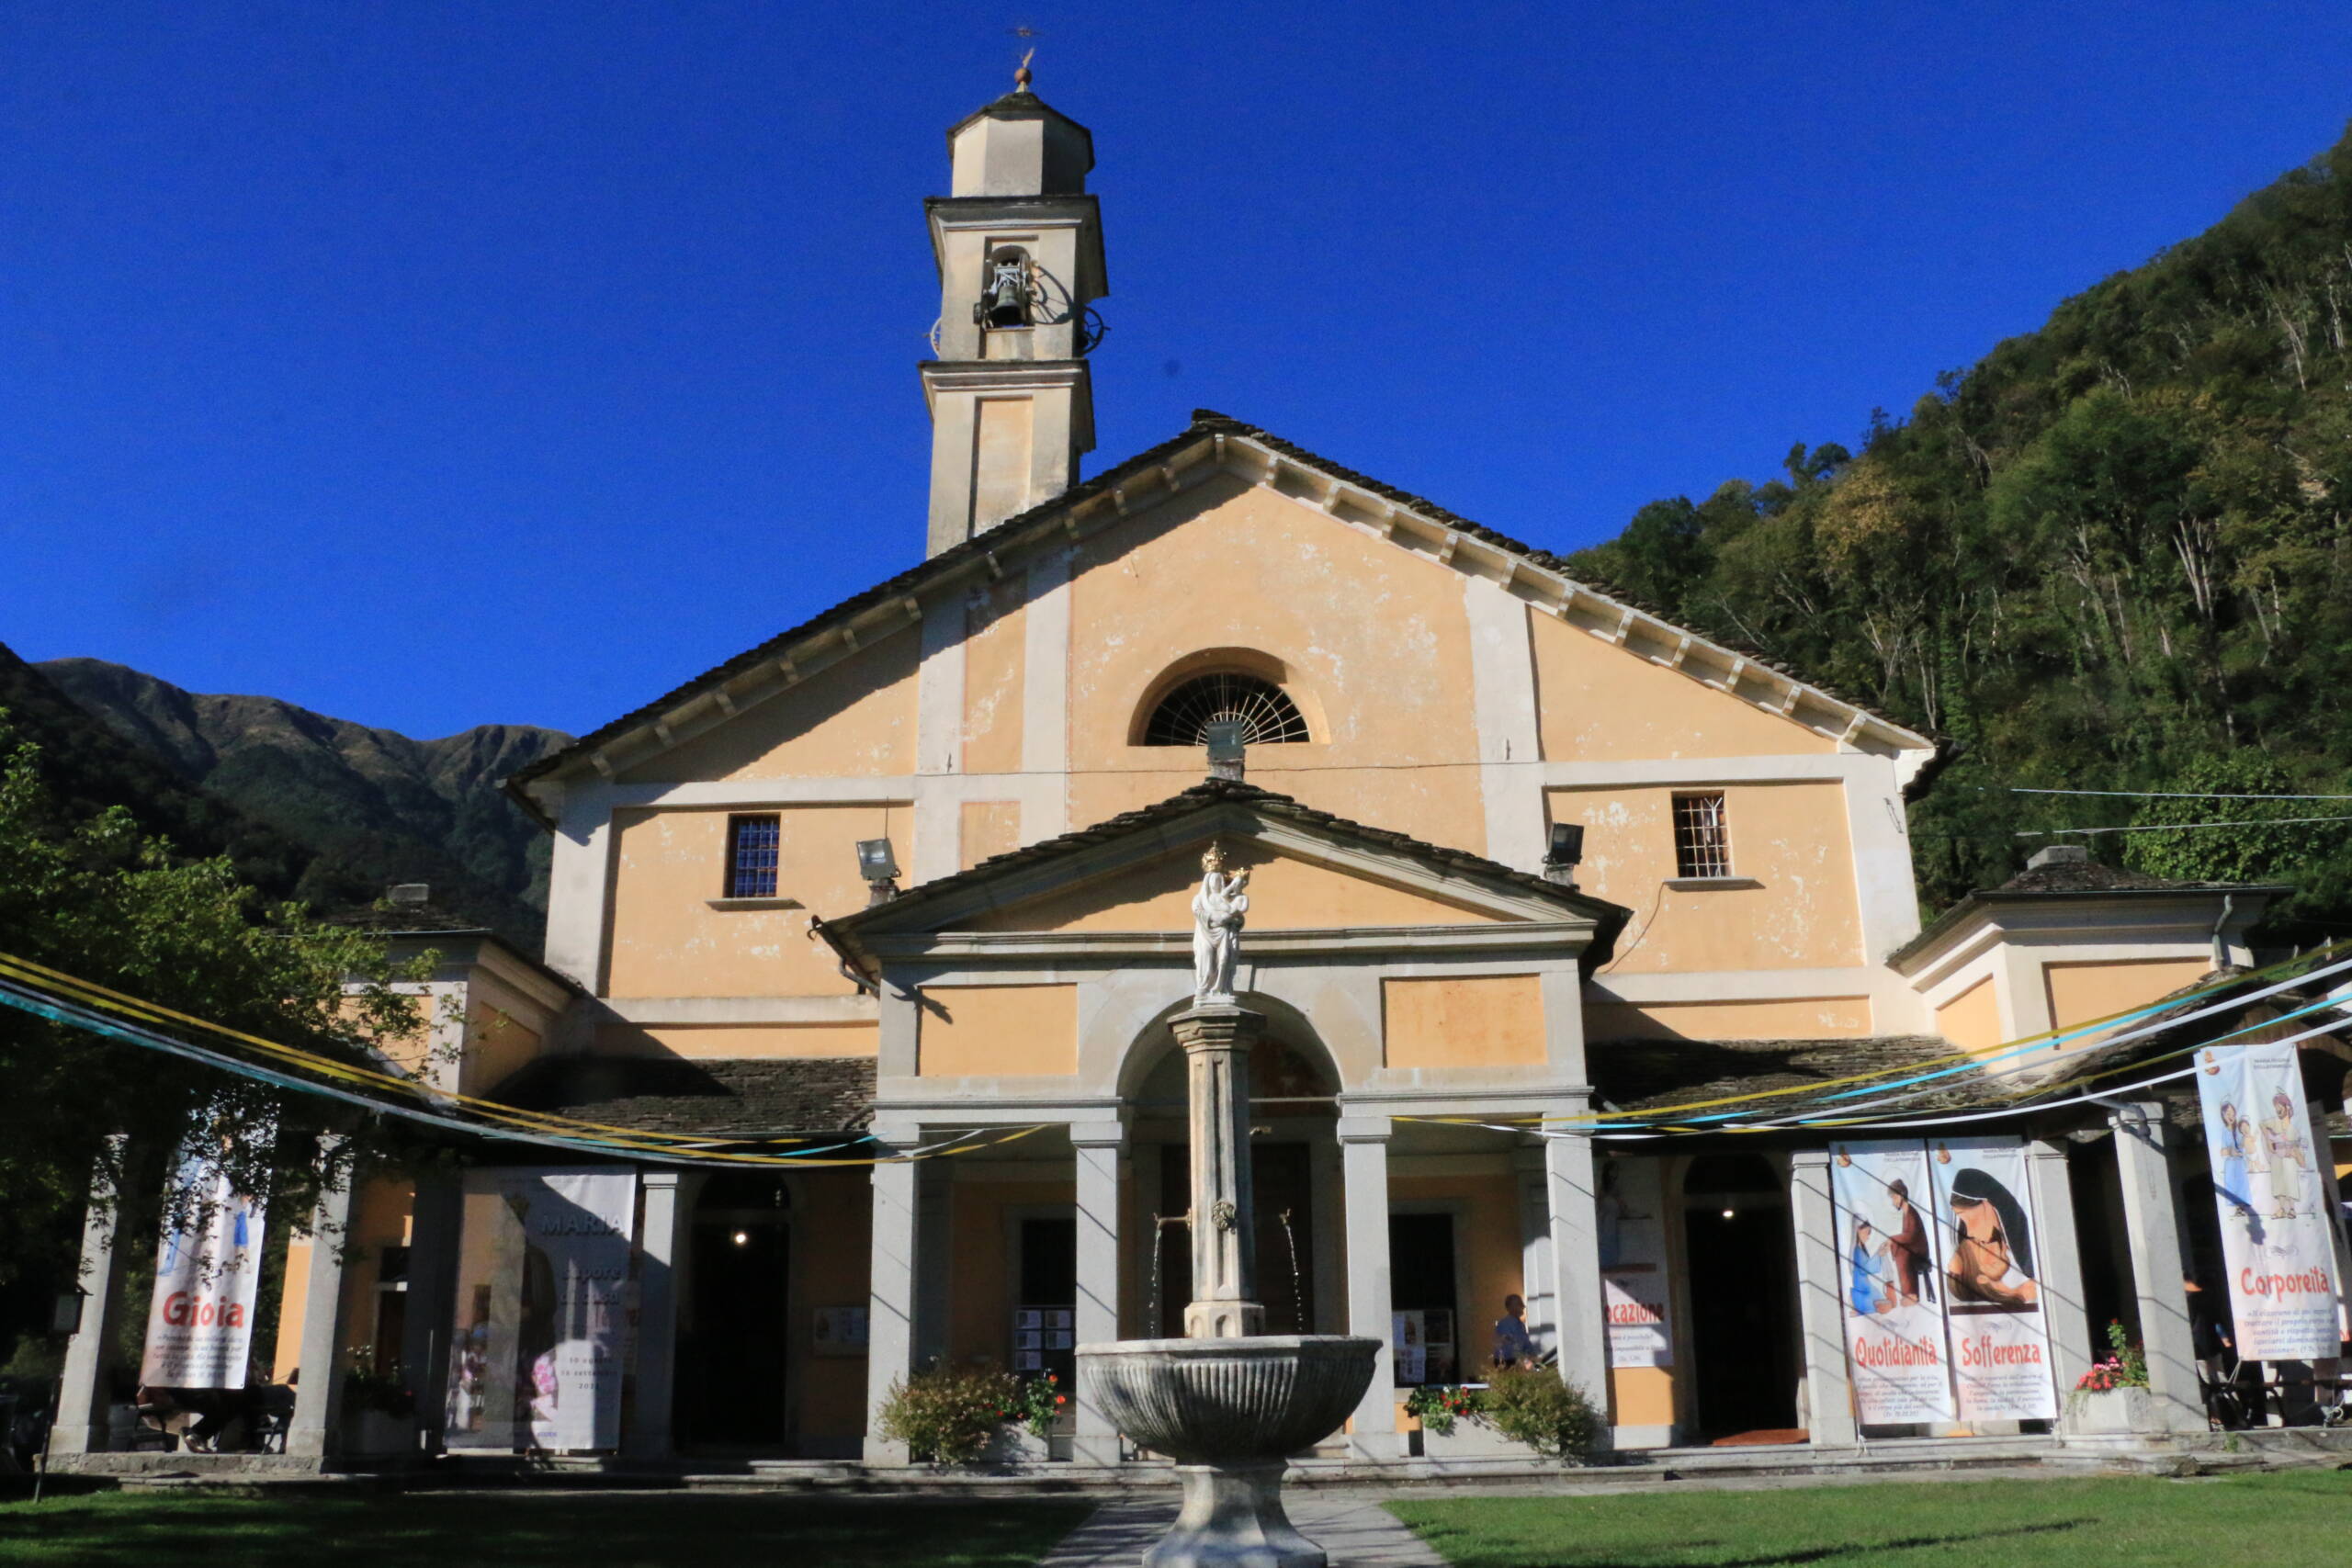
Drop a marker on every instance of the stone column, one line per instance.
(651, 1434)
(82, 1401)
(2151, 1228)
(1573, 1196)
(437, 1217)
(1216, 1041)
(316, 1429)
(1099, 1147)
(1821, 1321)
(2059, 1253)
(1363, 1156)
(1538, 1287)
(890, 1321)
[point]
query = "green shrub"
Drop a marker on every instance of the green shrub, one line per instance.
(1533, 1405)
(947, 1414)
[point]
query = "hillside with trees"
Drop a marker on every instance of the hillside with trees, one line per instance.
(2113, 555)
(354, 810)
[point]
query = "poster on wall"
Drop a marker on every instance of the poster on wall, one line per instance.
(1630, 1215)
(540, 1342)
(2276, 1240)
(1987, 1239)
(208, 1272)
(1888, 1283)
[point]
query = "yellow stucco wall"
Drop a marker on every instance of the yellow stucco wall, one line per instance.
(1600, 703)
(853, 718)
(1814, 1018)
(1971, 1019)
(707, 1040)
(668, 863)
(987, 828)
(496, 1047)
(1488, 1021)
(1374, 636)
(2080, 992)
(1789, 838)
(380, 1218)
(1285, 894)
(978, 1327)
(1641, 1396)
(832, 1251)
(995, 625)
(971, 1031)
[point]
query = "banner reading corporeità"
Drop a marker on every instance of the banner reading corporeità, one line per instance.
(2277, 1240)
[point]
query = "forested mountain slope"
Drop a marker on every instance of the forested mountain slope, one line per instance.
(368, 808)
(2112, 555)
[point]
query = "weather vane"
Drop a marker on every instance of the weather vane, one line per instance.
(1020, 77)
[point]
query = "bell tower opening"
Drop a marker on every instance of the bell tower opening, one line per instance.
(1018, 243)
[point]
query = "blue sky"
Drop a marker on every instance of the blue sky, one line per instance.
(435, 364)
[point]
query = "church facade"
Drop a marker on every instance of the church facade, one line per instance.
(1530, 870)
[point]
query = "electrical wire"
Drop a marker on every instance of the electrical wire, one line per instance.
(2180, 827)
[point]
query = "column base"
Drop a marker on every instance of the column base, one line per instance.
(1233, 1518)
(1224, 1320)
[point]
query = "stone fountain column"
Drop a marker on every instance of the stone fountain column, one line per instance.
(1216, 1041)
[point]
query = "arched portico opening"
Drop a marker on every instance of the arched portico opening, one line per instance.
(1294, 1162)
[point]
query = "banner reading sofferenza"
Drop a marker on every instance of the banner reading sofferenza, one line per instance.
(1889, 1284)
(542, 1309)
(2000, 1337)
(208, 1271)
(2276, 1239)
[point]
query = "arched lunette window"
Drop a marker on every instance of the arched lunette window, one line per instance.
(1266, 714)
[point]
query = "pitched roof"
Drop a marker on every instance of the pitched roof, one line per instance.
(978, 555)
(742, 1097)
(1610, 918)
(1644, 1073)
(2065, 880)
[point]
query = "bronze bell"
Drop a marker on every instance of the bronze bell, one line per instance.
(1006, 302)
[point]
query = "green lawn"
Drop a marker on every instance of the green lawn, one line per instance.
(529, 1529)
(2298, 1519)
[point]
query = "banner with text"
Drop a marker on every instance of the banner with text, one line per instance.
(208, 1272)
(1888, 1284)
(1992, 1289)
(2277, 1236)
(540, 1342)
(1630, 1214)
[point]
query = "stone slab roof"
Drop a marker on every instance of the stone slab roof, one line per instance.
(742, 1097)
(1644, 1073)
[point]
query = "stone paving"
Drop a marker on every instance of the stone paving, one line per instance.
(1353, 1528)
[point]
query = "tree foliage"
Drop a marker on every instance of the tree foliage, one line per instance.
(2115, 554)
(96, 896)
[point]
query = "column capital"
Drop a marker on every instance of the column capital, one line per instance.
(667, 1177)
(1809, 1159)
(1217, 1027)
(1366, 1129)
(1098, 1134)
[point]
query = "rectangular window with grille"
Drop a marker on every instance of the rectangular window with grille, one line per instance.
(752, 844)
(1702, 838)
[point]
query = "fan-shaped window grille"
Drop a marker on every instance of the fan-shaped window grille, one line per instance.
(1267, 717)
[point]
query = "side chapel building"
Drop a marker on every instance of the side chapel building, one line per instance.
(918, 869)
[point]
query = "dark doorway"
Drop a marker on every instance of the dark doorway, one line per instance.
(1044, 1319)
(1741, 1263)
(731, 1377)
(1281, 1180)
(1421, 1270)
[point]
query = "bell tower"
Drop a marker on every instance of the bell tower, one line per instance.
(1019, 246)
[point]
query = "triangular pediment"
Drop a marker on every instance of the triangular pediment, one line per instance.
(1214, 448)
(1309, 870)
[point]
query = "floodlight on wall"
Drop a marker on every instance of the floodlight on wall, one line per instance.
(879, 866)
(1226, 747)
(1563, 853)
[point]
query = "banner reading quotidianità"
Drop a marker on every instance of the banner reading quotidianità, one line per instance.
(1889, 1284)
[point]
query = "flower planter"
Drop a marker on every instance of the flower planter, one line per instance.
(1469, 1439)
(375, 1435)
(1017, 1446)
(2114, 1410)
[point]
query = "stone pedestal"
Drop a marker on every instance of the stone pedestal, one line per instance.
(1216, 1041)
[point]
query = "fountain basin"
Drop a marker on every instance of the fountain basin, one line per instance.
(1258, 1399)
